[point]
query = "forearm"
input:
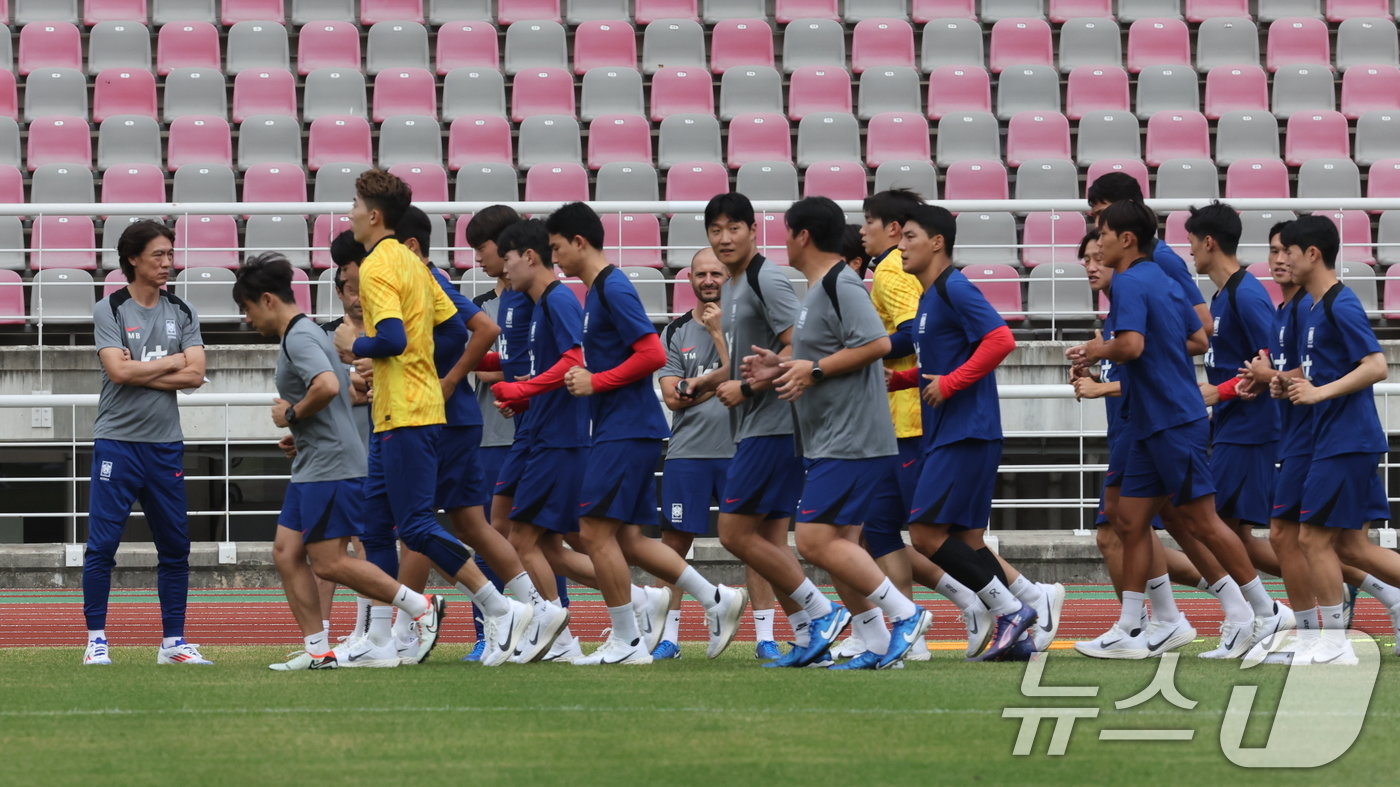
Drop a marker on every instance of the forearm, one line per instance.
(549, 380)
(991, 351)
(1370, 371)
(647, 357)
(317, 398)
(180, 380)
(902, 340)
(477, 347)
(389, 340)
(850, 359)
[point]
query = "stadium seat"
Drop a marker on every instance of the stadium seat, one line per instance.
(859, 10)
(1377, 138)
(1020, 42)
(1188, 179)
(1051, 238)
(967, 136)
(397, 45)
(1298, 42)
(442, 12)
(97, 12)
(1059, 293)
(818, 89)
(469, 91)
(188, 45)
(1232, 41)
(1360, 278)
(508, 12)
(196, 91)
(264, 92)
(9, 95)
(209, 291)
(556, 183)
(1036, 135)
(975, 180)
(925, 11)
(535, 45)
(896, 136)
(428, 182)
(1370, 88)
(827, 137)
(200, 183)
(338, 139)
(59, 139)
(881, 42)
(634, 239)
(276, 183)
(1388, 253)
(750, 89)
(175, 11)
(952, 42)
(814, 42)
(1274, 10)
(544, 91)
(1027, 89)
(372, 12)
(889, 90)
(129, 140)
(1314, 135)
(682, 294)
(985, 239)
(1177, 135)
(269, 139)
(463, 44)
(206, 241)
(611, 91)
(404, 91)
(463, 256)
(11, 294)
(772, 243)
(475, 282)
(334, 92)
(1326, 178)
(410, 139)
(49, 45)
(196, 139)
(1236, 88)
(1254, 236)
(1158, 42)
(324, 229)
(9, 143)
(715, 11)
(685, 235)
(483, 139)
(1202, 11)
(1249, 178)
(55, 91)
(581, 12)
(648, 11)
(1062, 11)
(1047, 179)
(1133, 167)
(1089, 42)
(958, 89)
(12, 248)
(233, 12)
(1096, 89)
(257, 45)
(120, 91)
(62, 183)
(740, 42)
(316, 11)
(1367, 42)
(1167, 89)
(1001, 286)
(681, 91)
(621, 181)
(134, 183)
(118, 45)
(673, 43)
(684, 139)
(1343, 10)
(1383, 180)
(63, 242)
(698, 181)
(328, 45)
(997, 10)
(1246, 135)
(758, 137)
(62, 295)
(1354, 227)
(1108, 135)
(548, 139)
(1132, 11)
(838, 180)
(619, 139)
(604, 44)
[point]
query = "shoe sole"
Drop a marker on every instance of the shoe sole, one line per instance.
(371, 664)
(1121, 655)
(427, 640)
(548, 638)
(718, 646)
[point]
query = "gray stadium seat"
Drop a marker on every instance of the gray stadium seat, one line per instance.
(686, 138)
(1027, 88)
(1388, 238)
(552, 139)
(1377, 137)
(470, 91)
(1271, 10)
(128, 139)
(1059, 293)
(918, 176)
(1047, 179)
(442, 11)
(579, 11)
(1254, 235)
(813, 42)
(409, 139)
(609, 90)
(27, 11)
(685, 235)
(334, 91)
(336, 182)
(1245, 134)
(7, 51)
(12, 244)
(967, 135)
(1361, 278)
(475, 281)
(1367, 42)
(118, 45)
(1089, 41)
(1108, 135)
(284, 234)
(494, 182)
(112, 229)
(269, 139)
(750, 89)
(204, 183)
(626, 181)
(860, 10)
(328, 306)
(775, 180)
(396, 45)
(257, 45)
(55, 91)
(304, 11)
(535, 44)
(209, 291)
(1303, 89)
(1329, 178)
(163, 11)
(62, 295)
(62, 183)
(651, 287)
(673, 42)
(1226, 41)
(195, 91)
(1187, 178)
(9, 143)
(985, 238)
(1167, 88)
(996, 10)
(716, 11)
(828, 137)
(1130, 11)
(951, 42)
(890, 89)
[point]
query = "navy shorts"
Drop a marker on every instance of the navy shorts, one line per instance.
(323, 510)
(687, 487)
(843, 491)
(460, 481)
(510, 469)
(1288, 487)
(619, 481)
(1117, 457)
(956, 484)
(764, 478)
(490, 458)
(1244, 480)
(547, 495)
(1170, 463)
(1344, 492)
(890, 508)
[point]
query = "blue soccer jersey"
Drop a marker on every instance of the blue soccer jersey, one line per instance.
(1110, 372)
(1242, 313)
(953, 317)
(1338, 336)
(613, 320)
(1176, 269)
(558, 419)
(1159, 386)
(514, 314)
(462, 408)
(1295, 423)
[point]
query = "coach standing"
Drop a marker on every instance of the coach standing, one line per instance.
(149, 343)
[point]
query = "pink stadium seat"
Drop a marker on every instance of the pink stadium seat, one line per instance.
(681, 91)
(1236, 88)
(508, 12)
(785, 11)
(1200, 10)
(113, 281)
(404, 91)
(197, 139)
(328, 45)
(1001, 286)
(49, 45)
(1367, 88)
(1391, 299)
(428, 181)
(632, 239)
(605, 44)
(1342, 10)
(123, 91)
(682, 294)
(63, 242)
(206, 241)
(187, 45)
(1051, 238)
(759, 136)
(12, 298)
(618, 138)
(264, 92)
(338, 139)
(9, 95)
(895, 136)
(133, 183)
(1134, 167)
(1298, 41)
(556, 183)
(372, 12)
(772, 233)
(1383, 179)
(479, 139)
(838, 180)
(95, 11)
(958, 89)
(815, 89)
(975, 180)
(467, 45)
(11, 185)
(696, 181)
(463, 256)
(925, 11)
(1020, 42)
(740, 42)
(1355, 229)
(1096, 89)
(1158, 42)
(301, 290)
(882, 42)
(276, 183)
(1177, 135)
(1312, 135)
(1036, 135)
(1062, 11)
(234, 11)
(59, 140)
(324, 229)
(542, 91)
(1175, 235)
(649, 11)
(1256, 178)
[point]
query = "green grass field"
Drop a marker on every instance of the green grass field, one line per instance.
(688, 722)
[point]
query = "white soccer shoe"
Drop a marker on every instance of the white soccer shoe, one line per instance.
(1267, 628)
(504, 632)
(96, 652)
(849, 648)
(1115, 644)
(564, 649)
(301, 660)
(363, 652)
(429, 625)
(540, 636)
(407, 650)
(1234, 641)
(181, 652)
(919, 651)
(615, 651)
(1047, 614)
(1330, 648)
(1395, 625)
(980, 624)
(723, 619)
(1162, 637)
(651, 616)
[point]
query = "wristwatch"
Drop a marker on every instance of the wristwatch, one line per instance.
(817, 374)
(291, 415)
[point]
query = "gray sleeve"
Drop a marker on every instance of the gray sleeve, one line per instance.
(190, 336)
(105, 331)
(306, 356)
(781, 302)
(860, 323)
(675, 364)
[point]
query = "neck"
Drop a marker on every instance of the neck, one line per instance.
(541, 282)
(743, 265)
(1320, 282)
(593, 264)
(377, 234)
(1289, 290)
(929, 275)
(285, 314)
(1222, 269)
(818, 265)
(500, 284)
(144, 293)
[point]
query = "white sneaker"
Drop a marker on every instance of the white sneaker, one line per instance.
(429, 625)
(615, 651)
(181, 652)
(1395, 626)
(301, 660)
(1047, 614)
(980, 624)
(1162, 637)
(362, 652)
(651, 616)
(540, 636)
(96, 652)
(564, 650)
(1115, 644)
(407, 650)
(1267, 628)
(919, 651)
(1330, 649)
(1234, 641)
(504, 632)
(849, 648)
(723, 619)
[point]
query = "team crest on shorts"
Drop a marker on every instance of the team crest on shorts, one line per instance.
(106, 470)
(677, 512)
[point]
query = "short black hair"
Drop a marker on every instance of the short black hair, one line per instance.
(262, 273)
(1314, 230)
(891, 205)
(345, 249)
(1089, 237)
(853, 247)
(1115, 187)
(523, 236)
(1277, 229)
(1217, 220)
(733, 205)
(488, 224)
(416, 225)
(822, 219)
(936, 220)
(387, 193)
(1132, 216)
(134, 240)
(576, 220)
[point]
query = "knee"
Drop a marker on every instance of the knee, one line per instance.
(100, 553)
(734, 542)
(1349, 548)
(1107, 540)
(1281, 540)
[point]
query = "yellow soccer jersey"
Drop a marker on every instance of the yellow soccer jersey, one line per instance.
(395, 284)
(896, 295)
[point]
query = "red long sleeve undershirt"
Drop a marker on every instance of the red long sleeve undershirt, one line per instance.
(991, 351)
(647, 356)
(544, 382)
(1227, 389)
(490, 362)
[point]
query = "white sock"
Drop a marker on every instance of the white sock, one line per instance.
(1231, 600)
(96, 634)
(1202, 584)
(1130, 615)
(699, 588)
(326, 627)
(672, 630)
(317, 644)
(523, 589)
(763, 625)
(381, 622)
(489, 599)
(894, 604)
(1026, 590)
(801, 624)
(1388, 595)
(169, 642)
(624, 624)
(958, 593)
(1332, 617)
(870, 627)
(362, 606)
(411, 601)
(813, 602)
(1306, 619)
(1258, 598)
(1159, 590)
(999, 599)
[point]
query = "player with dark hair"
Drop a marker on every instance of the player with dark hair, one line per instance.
(853, 250)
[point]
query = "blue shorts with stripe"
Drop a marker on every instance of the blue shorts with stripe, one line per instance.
(764, 478)
(460, 482)
(1344, 492)
(1292, 473)
(323, 510)
(619, 481)
(687, 487)
(490, 458)
(890, 509)
(511, 467)
(547, 495)
(956, 484)
(1170, 463)
(842, 491)
(1244, 480)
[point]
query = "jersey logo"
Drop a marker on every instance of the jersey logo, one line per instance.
(153, 354)
(106, 471)
(677, 513)
(170, 329)
(802, 318)
(688, 349)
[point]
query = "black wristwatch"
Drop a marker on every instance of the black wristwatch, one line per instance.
(291, 415)
(746, 390)
(817, 374)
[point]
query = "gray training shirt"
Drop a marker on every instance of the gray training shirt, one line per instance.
(328, 444)
(756, 318)
(702, 431)
(845, 417)
(496, 429)
(135, 413)
(364, 419)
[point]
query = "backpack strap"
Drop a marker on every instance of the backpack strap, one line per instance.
(288, 332)
(599, 289)
(751, 274)
(829, 283)
(1329, 297)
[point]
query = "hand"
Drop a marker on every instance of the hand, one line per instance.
(1304, 392)
(762, 366)
(730, 393)
(931, 395)
(710, 317)
(288, 446)
(345, 337)
(1248, 389)
(1258, 368)
(505, 392)
(448, 386)
(796, 378)
(279, 412)
(688, 389)
(176, 361)
(513, 407)
(889, 376)
(579, 381)
(1094, 348)
(1089, 388)
(1278, 387)
(1210, 394)
(1075, 355)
